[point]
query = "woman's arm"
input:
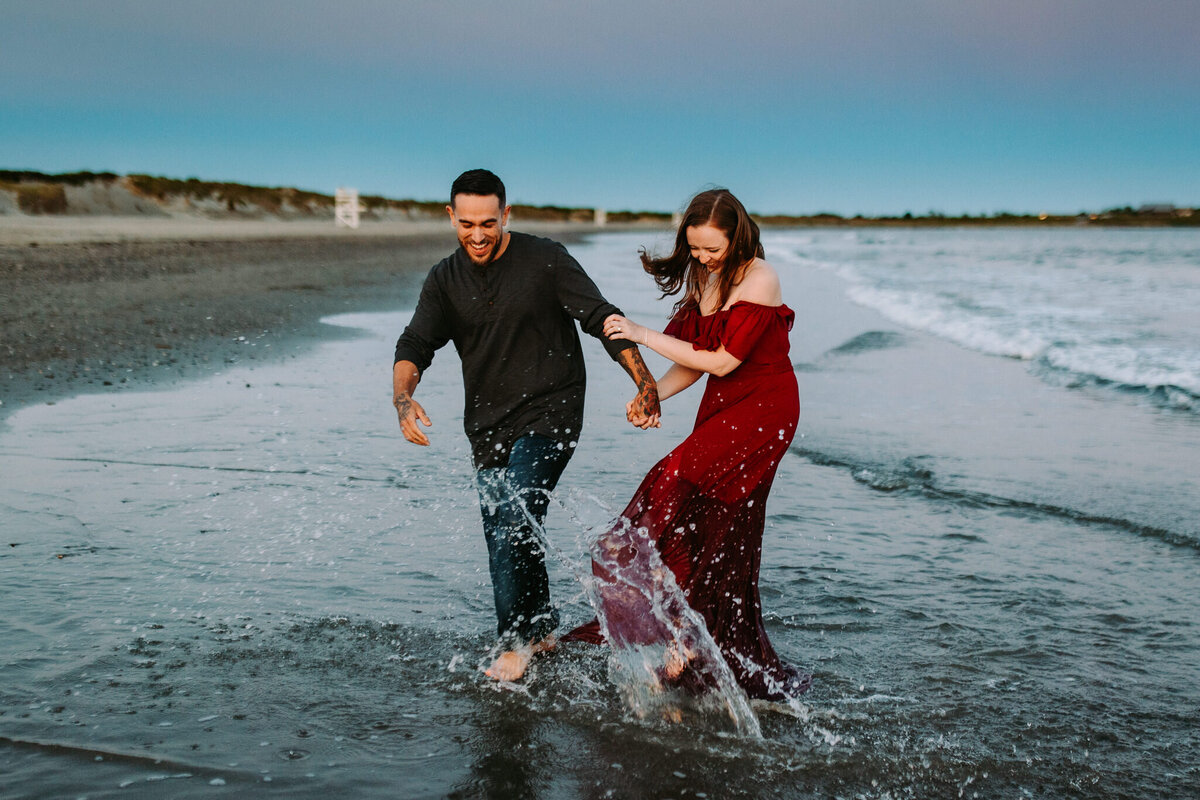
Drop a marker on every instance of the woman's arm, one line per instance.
(715, 362)
(675, 380)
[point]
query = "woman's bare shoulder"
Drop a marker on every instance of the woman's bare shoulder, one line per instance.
(760, 284)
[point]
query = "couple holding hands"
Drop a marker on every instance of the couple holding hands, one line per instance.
(512, 304)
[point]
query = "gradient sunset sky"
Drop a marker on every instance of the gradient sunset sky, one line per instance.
(850, 106)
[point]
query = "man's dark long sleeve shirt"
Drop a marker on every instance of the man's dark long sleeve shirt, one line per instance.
(513, 325)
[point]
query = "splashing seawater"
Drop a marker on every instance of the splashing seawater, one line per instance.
(662, 660)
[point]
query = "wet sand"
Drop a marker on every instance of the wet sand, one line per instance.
(102, 304)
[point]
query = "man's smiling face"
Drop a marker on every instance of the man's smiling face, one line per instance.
(479, 221)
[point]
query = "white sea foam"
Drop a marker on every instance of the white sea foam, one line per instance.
(1150, 367)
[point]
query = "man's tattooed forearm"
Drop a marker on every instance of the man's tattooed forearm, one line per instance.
(647, 388)
(647, 398)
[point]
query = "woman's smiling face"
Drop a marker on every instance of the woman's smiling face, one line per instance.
(708, 245)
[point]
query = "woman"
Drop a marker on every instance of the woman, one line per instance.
(701, 510)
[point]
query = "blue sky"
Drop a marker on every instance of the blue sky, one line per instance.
(850, 106)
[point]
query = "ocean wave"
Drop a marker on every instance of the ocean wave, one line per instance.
(867, 342)
(1167, 375)
(1157, 373)
(949, 319)
(912, 475)
(1084, 310)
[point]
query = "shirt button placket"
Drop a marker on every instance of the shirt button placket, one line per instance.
(489, 296)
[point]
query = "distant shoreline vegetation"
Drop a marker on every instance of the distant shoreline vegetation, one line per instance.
(82, 193)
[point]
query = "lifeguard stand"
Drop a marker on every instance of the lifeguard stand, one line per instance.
(345, 208)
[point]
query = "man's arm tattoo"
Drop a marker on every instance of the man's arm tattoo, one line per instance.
(647, 387)
(403, 404)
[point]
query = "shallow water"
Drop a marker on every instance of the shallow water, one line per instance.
(251, 584)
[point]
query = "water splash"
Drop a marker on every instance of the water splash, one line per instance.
(664, 662)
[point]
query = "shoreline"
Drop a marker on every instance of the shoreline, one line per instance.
(22, 230)
(108, 304)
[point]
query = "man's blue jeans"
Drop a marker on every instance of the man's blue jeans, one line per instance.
(513, 500)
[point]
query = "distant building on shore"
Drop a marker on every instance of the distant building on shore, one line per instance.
(345, 208)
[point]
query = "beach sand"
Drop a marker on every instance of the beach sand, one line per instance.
(103, 303)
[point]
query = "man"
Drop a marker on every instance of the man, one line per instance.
(510, 302)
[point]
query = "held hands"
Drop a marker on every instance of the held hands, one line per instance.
(644, 410)
(618, 327)
(409, 411)
(638, 415)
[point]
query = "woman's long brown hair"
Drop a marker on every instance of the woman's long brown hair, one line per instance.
(719, 208)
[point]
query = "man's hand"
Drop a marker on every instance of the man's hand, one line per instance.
(409, 411)
(643, 410)
(405, 377)
(641, 419)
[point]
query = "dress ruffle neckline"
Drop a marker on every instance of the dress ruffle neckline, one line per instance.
(782, 309)
(728, 325)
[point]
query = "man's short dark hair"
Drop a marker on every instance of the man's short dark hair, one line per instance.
(477, 181)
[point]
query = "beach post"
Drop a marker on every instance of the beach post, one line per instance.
(345, 208)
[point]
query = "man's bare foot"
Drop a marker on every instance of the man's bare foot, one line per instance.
(511, 664)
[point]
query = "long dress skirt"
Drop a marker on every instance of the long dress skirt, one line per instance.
(702, 508)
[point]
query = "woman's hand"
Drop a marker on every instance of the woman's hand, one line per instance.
(618, 327)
